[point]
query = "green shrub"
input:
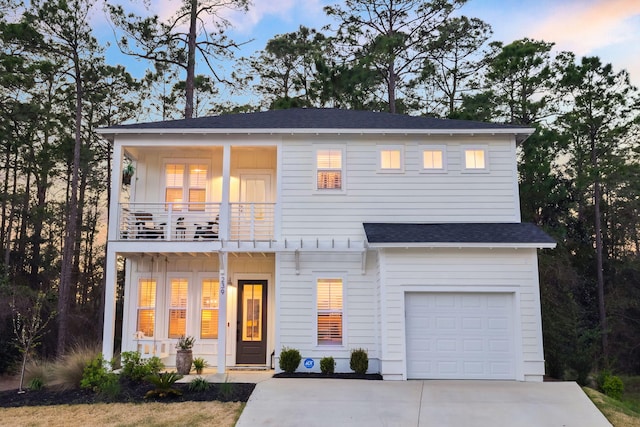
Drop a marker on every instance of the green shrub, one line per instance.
(163, 383)
(94, 374)
(199, 364)
(327, 365)
(199, 384)
(135, 368)
(110, 388)
(289, 359)
(359, 362)
(38, 372)
(613, 387)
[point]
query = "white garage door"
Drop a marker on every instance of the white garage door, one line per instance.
(460, 335)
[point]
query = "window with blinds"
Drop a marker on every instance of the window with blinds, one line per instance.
(178, 308)
(329, 169)
(330, 313)
(146, 306)
(209, 309)
(186, 183)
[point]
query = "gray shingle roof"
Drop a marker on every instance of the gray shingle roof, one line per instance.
(498, 233)
(318, 118)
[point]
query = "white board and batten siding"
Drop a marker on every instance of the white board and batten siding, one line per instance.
(496, 287)
(409, 196)
(297, 311)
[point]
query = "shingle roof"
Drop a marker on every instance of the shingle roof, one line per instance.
(485, 233)
(319, 118)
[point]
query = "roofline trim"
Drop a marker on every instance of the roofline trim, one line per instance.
(304, 131)
(533, 245)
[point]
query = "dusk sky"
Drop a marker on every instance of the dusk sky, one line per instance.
(609, 29)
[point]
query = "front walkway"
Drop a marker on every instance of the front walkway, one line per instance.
(329, 402)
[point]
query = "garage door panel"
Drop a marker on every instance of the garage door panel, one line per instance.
(460, 335)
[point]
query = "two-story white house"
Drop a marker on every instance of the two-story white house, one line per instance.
(326, 230)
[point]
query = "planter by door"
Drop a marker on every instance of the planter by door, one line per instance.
(184, 359)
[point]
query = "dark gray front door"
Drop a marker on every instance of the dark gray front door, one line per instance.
(252, 322)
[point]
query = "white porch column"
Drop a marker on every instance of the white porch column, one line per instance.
(109, 306)
(222, 314)
(226, 189)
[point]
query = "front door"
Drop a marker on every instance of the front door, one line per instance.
(252, 322)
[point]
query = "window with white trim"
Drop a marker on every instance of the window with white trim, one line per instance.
(146, 306)
(391, 158)
(329, 169)
(209, 309)
(475, 158)
(434, 159)
(178, 294)
(186, 182)
(330, 311)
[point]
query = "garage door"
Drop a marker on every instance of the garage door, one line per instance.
(460, 335)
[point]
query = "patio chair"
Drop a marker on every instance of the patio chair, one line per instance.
(146, 228)
(208, 231)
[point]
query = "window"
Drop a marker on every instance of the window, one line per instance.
(146, 306)
(209, 309)
(390, 159)
(433, 159)
(475, 158)
(329, 306)
(329, 169)
(186, 182)
(178, 308)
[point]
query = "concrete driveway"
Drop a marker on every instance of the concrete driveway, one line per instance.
(318, 402)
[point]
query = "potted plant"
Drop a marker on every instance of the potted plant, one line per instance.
(184, 355)
(199, 364)
(127, 173)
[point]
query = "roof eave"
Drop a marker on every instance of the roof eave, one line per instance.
(490, 245)
(520, 133)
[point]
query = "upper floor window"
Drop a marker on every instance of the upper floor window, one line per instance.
(209, 308)
(186, 182)
(475, 158)
(178, 308)
(146, 307)
(434, 159)
(390, 159)
(330, 313)
(329, 167)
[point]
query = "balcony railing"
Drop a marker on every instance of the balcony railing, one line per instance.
(195, 221)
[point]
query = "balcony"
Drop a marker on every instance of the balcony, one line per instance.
(195, 222)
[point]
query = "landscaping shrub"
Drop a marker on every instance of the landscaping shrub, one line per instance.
(97, 378)
(36, 384)
(289, 360)
(135, 368)
(199, 384)
(359, 362)
(38, 372)
(163, 383)
(68, 370)
(327, 365)
(613, 387)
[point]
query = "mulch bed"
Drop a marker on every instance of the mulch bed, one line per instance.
(339, 375)
(130, 392)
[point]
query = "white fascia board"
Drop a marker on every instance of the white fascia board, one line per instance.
(296, 131)
(462, 245)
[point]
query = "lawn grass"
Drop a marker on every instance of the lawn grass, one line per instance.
(223, 414)
(623, 413)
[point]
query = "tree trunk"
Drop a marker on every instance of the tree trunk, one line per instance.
(66, 274)
(191, 61)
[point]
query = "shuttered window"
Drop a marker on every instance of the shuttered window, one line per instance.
(146, 306)
(178, 308)
(209, 309)
(329, 169)
(330, 313)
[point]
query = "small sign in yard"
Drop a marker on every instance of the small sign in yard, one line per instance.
(308, 363)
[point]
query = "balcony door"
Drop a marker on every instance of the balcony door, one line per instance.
(254, 215)
(252, 322)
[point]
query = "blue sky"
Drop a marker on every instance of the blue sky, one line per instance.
(609, 29)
